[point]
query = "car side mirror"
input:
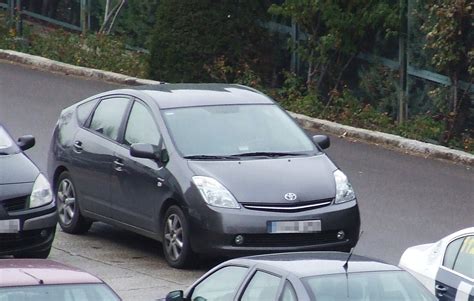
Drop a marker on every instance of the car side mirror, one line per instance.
(175, 296)
(322, 140)
(26, 142)
(144, 150)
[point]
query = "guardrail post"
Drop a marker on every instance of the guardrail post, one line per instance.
(19, 19)
(84, 16)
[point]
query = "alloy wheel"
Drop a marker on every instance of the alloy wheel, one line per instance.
(174, 236)
(66, 201)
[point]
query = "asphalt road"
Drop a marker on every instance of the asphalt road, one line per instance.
(405, 200)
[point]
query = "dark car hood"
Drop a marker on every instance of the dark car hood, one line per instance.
(268, 180)
(16, 169)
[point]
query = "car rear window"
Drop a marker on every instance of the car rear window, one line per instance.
(69, 292)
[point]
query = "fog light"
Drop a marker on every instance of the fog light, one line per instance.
(341, 235)
(239, 240)
(44, 233)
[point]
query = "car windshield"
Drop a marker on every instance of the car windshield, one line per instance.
(236, 130)
(369, 286)
(7, 146)
(70, 292)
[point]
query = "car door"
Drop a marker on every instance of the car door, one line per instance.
(93, 154)
(263, 286)
(139, 185)
(222, 285)
(455, 278)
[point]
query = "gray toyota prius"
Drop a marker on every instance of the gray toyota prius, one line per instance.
(212, 169)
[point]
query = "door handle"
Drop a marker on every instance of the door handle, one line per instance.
(440, 290)
(118, 165)
(77, 146)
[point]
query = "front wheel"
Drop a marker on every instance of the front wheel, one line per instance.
(176, 245)
(70, 218)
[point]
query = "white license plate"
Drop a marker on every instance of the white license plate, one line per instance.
(294, 226)
(10, 226)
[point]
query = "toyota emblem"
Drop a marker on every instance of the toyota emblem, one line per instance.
(290, 196)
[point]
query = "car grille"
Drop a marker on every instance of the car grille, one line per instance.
(10, 241)
(15, 204)
(302, 206)
(289, 239)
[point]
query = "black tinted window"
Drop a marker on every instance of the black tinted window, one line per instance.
(141, 127)
(452, 252)
(84, 110)
(108, 116)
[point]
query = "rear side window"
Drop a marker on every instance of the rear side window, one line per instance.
(452, 252)
(84, 111)
(465, 260)
(263, 286)
(108, 117)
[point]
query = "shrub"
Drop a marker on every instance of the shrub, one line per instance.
(203, 40)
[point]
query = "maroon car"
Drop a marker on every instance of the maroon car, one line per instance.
(46, 280)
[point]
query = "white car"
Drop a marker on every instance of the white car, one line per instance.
(445, 267)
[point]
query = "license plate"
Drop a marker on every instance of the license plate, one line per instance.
(10, 226)
(294, 226)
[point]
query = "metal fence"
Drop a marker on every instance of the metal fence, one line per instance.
(73, 14)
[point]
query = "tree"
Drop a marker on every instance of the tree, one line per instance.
(192, 37)
(450, 41)
(337, 30)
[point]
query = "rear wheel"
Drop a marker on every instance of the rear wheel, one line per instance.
(176, 245)
(69, 214)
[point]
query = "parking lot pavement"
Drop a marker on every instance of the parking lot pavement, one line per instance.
(404, 200)
(132, 265)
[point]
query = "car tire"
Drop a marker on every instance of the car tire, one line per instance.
(176, 244)
(69, 213)
(38, 254)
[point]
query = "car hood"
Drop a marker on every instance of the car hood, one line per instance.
(17, 168)
(266, 181)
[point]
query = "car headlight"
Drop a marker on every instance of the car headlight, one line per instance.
(344, 190)
(214, 193)
(41, 194)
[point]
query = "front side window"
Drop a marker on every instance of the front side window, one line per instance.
(452, 252)
(141, 127)
(235, 129)
(108, 117)
(464, 263)
(84, 110)
(221, 285)
(7, 146)
(262, 287)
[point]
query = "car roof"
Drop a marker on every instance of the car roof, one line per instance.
(27, 272)
(305, 264)
(191, 95)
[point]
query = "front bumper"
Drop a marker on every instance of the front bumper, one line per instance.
(213, 230)
(37, 230)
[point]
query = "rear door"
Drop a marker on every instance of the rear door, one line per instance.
(93, 154)
(455, 278)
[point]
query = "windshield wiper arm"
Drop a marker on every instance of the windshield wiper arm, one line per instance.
(210, 157)
(267, 154)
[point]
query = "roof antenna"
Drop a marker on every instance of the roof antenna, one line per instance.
(40, 281)
(346, 265)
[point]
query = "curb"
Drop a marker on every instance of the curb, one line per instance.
(55, 66)
(404, 144)
(427, 150)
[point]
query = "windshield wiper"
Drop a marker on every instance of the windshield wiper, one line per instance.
(210, 157)
(267, 154)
